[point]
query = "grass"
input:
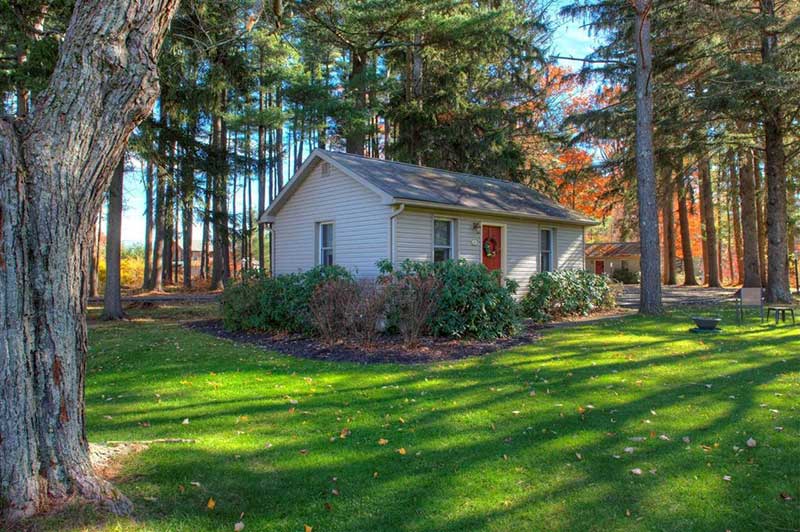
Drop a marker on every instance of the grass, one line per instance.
(481, 451)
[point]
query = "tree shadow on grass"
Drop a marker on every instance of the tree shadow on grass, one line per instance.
(491, 456)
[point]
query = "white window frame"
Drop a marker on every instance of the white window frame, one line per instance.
(550, 252)
(332, 247)
(452, 246)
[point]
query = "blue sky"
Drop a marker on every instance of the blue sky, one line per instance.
(570, 40)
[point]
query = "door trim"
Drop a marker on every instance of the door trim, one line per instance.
(503, 245)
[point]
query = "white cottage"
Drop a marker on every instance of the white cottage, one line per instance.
(354, 211)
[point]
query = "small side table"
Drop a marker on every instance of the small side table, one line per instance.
(783, 309)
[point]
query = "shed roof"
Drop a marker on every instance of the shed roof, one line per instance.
(420, 185)
(613, 249)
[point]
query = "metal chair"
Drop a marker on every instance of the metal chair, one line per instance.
(749, 297)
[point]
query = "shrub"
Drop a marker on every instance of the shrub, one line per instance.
(329, 308)
(566, 292)
(472, 302)
(343, 309)
(412, 300)
(275, 304)
(625, 276)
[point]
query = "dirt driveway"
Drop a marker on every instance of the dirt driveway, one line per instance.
(679, 295)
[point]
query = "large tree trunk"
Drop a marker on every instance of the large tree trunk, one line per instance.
(358, 88)
(157, 283)
(147, 282)
(689, 278)
(54, 170)
(112, 298)
(751, 264)
(668, 217)
(761, 217)
(262, 167)
(733, 193)
(278, 144)
(205, 242)
(650, 292)
(710, 227)
(220, 268)
(777, 254)
(94, 260)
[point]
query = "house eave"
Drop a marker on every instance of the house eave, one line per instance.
(493, 212)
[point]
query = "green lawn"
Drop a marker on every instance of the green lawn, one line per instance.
(482, 451)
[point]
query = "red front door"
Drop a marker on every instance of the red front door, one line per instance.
(492, 252)
(599, 267)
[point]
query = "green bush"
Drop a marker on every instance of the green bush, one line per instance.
(564, 293)
(625, 276)
(275, 304)
(472, 302)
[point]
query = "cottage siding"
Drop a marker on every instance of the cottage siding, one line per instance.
(414, 236)
(414, 240)
(569, 247)
(361, 224)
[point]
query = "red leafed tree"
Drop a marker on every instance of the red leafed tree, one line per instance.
(55, 166)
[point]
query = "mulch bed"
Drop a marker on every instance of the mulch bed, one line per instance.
(386, 348)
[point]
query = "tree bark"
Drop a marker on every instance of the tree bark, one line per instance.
(710, 227)
(735, 206)
(747, 196)
(668, 217)
(187, 208)
(94, 260)
(147, 282)
(157, 283)
(761, 217)
(112, 298)
(355, 137)
(777, 253)
(262, 166)
(650, 292)
(689, 278)
(54, 170)
(220, 267)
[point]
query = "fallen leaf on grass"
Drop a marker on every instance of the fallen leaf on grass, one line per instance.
(345, 432)
(751, 442)
(211, 503)
(383, 441)
(185, 421)
(304, 451)
(629, 450)
(335, 492)
(726, 478)
(238, 527)
(307, 528)
(579, 456)
(785, 496)
(402, 450)
(636, 471)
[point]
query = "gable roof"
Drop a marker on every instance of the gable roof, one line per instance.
(613, 249)
(397, 182)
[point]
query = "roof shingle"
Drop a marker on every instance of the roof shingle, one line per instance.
(410, 182)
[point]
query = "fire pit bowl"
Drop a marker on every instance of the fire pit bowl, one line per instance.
(706, 324)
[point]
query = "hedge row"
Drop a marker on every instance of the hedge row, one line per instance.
(456, 299)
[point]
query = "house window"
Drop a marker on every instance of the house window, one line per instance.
(326, 244)
(546, 250)
(442, 240)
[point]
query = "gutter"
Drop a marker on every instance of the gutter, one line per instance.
(509, 214)
(395, 213)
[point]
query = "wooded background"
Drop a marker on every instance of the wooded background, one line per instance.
(468, 86)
